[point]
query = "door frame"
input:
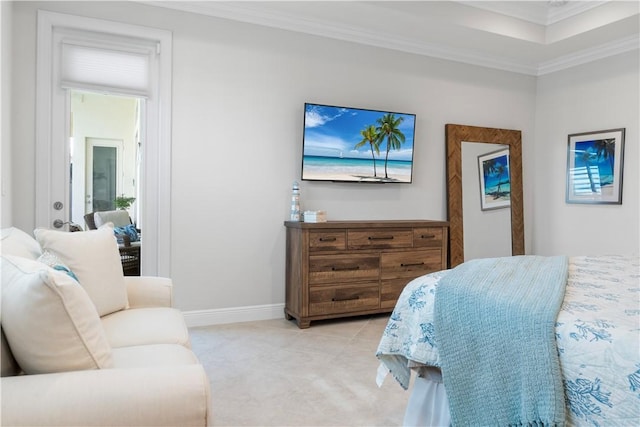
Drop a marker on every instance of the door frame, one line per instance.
(52, 134)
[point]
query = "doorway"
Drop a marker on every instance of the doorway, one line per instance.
(63, 41)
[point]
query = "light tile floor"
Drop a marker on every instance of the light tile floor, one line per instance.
(270, 373)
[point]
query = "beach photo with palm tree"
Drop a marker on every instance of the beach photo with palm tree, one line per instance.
(594, 167)
(495, 181)
(352, 144)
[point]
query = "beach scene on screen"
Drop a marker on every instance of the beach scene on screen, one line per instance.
(350, 144)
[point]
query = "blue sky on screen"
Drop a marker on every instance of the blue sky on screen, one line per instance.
(334, 132)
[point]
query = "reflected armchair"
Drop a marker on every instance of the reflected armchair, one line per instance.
(129, 250)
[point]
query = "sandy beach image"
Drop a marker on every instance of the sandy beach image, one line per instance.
(353, 177)
(356, 170)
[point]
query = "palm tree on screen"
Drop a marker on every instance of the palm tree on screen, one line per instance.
(371, 137)
(388, 129)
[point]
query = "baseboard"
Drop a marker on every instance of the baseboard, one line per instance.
(233, 315)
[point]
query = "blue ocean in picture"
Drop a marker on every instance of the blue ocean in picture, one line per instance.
(497, 183)
(593, 166)
(356, 167)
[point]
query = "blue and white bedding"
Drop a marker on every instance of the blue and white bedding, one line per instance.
(597, 334)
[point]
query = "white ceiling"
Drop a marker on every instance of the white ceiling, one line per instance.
(529, 37)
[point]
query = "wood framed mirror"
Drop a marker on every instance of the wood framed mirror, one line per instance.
(455, 135)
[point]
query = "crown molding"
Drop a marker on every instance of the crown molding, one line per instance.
(602, 51)
(243, 12)
(545, 15)
(570, 9)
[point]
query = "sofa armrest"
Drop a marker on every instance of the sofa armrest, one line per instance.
(149, 291)
(155, 396)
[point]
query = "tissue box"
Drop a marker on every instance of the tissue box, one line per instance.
(314, 216)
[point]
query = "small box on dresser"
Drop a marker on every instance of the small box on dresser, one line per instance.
(350, 268)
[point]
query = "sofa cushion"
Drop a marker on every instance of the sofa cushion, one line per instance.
(8, 365)
(95, 259)
(146, 356)
(119, 218)
(18, 243)
(49, 320)
(141, 326)
(52, 261)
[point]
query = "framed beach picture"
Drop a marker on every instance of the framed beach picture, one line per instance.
(495, 180)
(594, 167)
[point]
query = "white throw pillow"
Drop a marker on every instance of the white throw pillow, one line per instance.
(17, 242)
(119, 218)
(95, 259)
(49, 321)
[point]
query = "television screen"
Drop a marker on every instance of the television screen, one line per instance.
(357, 145)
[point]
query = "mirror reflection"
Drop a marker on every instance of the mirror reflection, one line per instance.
(455, 135)
(105, 154)
(487, 223)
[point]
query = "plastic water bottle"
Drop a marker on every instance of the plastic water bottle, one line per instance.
(295, 202)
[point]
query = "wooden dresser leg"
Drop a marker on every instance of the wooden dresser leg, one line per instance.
(303, 324)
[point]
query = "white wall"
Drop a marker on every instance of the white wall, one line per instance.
(596, 96)
(238, 95)
(5, 114)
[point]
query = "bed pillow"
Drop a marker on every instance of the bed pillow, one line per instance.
(17, 242)
(119, 218)
(94, 258)
(49, 321)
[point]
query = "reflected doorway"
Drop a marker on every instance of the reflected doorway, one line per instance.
(103, 173)
(105, 153)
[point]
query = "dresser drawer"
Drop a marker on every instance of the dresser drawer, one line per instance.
(343, 299)
(428, 237)
(327, 240)
(410, 264)
(343, 268)
(380, 239)
(390, 291)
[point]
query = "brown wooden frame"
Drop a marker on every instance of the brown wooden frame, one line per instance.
(455, 135)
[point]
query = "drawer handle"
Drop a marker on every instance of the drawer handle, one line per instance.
(345, 299)
(348, 268)
(427, 236)
(412, 264)
(327, 239)
(380, 237)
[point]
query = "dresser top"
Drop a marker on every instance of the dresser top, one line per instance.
(367, 224)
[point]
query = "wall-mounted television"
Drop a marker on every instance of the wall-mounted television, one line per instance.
(345, 144)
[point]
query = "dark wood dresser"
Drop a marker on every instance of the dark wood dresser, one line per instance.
(350, 268)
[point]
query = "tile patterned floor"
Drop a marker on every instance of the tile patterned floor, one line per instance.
(270, 373)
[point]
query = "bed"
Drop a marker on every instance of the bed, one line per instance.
(594, 356)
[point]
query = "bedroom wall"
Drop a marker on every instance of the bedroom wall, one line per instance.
(238, 95)
(5, 113)
(597, 96)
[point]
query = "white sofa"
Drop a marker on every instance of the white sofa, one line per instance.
(67, 363)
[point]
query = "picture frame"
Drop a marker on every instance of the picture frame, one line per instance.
(495, 180)
(595, 163)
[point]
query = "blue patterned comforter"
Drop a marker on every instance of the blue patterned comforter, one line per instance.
(597, 332)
